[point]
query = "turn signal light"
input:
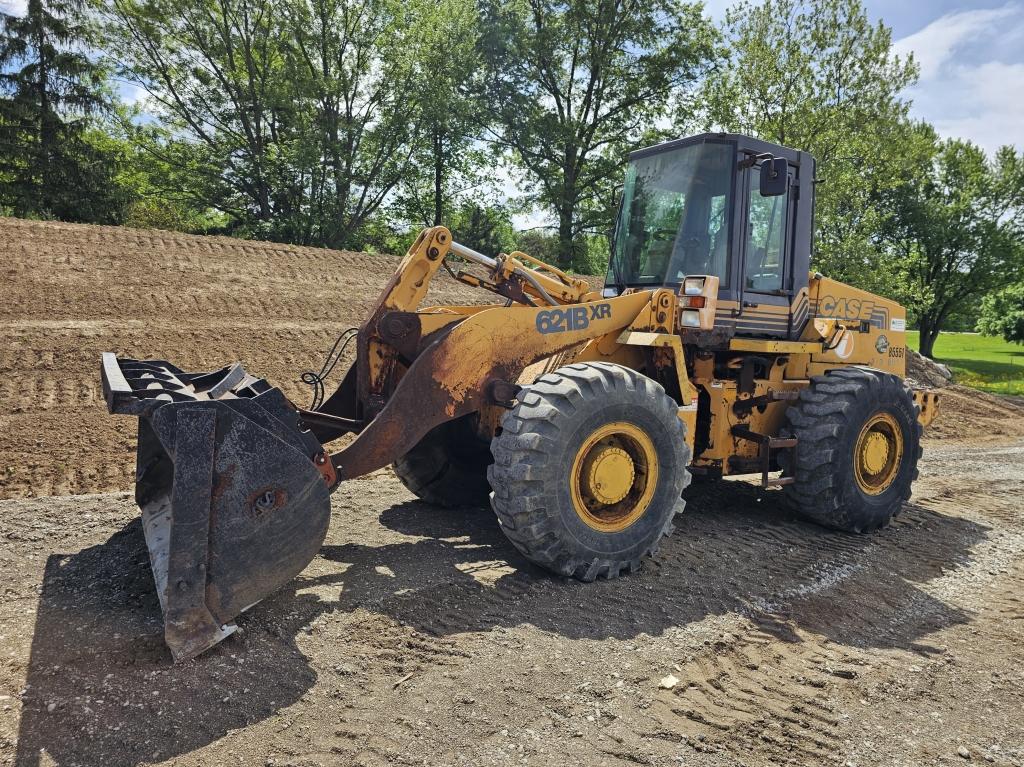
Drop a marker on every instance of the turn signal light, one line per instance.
(698, 302)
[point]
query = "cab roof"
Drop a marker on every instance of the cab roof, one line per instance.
(744, 144)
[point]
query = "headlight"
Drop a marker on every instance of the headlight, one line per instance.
(690, 318)
(693, 286)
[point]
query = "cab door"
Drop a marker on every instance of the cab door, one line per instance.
(766, 242)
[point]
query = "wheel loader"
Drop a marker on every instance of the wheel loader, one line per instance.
(578, 413)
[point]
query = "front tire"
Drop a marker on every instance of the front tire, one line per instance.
(448, 467)
(858, 444)
(588, 470)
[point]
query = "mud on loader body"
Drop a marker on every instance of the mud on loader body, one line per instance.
(579, 413)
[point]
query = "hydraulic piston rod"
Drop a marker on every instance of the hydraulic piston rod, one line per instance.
(472, 255)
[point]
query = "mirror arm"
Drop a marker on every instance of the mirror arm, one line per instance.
(751, 160)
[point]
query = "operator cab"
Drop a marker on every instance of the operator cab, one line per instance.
(725, 205)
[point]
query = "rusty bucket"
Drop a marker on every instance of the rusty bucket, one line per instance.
(235, 495)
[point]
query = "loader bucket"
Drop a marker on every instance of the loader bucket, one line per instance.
(235, 496)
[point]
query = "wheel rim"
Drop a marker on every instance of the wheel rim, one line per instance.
(614, 476)
(878, 454)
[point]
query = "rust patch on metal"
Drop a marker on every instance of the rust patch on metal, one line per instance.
(266, 500)
(402, 331)
(326, 469)
(222, 481)
(450, 378)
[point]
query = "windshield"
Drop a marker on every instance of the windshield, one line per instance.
(674, 217)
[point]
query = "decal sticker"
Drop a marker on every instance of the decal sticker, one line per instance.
(845, 308)
(844, 348)
(898, 325)
(882, 344)
(571, 317)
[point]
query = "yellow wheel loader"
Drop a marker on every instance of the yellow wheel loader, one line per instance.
(578, 413)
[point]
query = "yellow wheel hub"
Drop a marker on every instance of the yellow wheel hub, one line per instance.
(878, 454)
(608, 474)
(614, 476)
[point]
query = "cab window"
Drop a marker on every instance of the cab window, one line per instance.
(766, 237)
(674, 216)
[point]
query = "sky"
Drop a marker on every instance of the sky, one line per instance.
(971, 56)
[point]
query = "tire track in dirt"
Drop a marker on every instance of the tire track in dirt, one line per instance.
(759, 688)
(199, 302)
(775, 685)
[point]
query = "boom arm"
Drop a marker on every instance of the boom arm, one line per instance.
(377, 354)
(466, 369)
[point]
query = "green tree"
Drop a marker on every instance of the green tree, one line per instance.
(817, 75)
(213, 74)
(49, 90)
(542, 245)
(155, 197)
(355, 61)
(487, 229)
(448, 164)
(296, 118)
(956, 232)
(575, 84)
(1002, 314)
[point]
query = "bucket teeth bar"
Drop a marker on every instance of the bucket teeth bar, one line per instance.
(233, 502)
(132, 386)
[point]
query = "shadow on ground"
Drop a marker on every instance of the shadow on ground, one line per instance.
(98, 656)
(736, 549)
(100, 688)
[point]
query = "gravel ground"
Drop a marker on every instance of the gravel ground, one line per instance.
(419, 636)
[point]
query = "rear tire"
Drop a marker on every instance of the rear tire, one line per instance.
(589, 469)
(858, 444)
(448, 467)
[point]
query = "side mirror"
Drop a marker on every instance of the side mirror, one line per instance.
(774, 179)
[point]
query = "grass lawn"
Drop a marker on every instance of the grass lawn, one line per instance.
(979, 361)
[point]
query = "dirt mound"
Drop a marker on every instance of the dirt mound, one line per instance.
(927, 372)
(964, 413)
(74, 291)
(969, 414)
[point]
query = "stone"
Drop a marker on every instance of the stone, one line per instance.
(668, 682)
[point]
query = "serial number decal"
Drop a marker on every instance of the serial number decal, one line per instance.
(896, 351)
(571, 318)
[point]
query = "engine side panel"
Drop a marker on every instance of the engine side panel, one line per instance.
(875, 328)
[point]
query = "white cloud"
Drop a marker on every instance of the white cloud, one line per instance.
(972, 75)
(981, 103)
(939, 41)
(14, 7)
